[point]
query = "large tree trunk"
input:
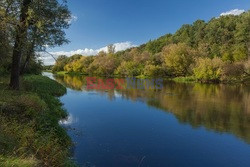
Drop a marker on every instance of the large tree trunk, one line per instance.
(23, 68)
(21, 33)
(27, 60)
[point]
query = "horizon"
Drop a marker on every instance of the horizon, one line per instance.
(119, 28)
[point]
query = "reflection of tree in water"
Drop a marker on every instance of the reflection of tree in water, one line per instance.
(221, 108)
(72, 81)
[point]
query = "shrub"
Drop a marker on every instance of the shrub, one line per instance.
(178, 59)
(233, 71)
(153, 70)
(208, 70)
(247, 67)
(129, 68)
(103, 65)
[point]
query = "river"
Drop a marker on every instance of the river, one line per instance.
(164, 124)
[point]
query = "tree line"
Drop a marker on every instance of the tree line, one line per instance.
(213, 51)
(28, 27)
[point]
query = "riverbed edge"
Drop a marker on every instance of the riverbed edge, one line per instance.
(29, 124)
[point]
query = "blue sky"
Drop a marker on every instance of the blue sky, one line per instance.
(98, 23)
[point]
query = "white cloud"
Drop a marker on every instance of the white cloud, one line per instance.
(118, 47)
(49, 60)
(233, 12)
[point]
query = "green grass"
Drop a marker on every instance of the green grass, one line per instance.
(61, 72)
(29, 124)
(42, 85)
(18, 162)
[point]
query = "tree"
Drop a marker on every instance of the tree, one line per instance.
(240, 53)
(233, 71)
(129, 69)
(42, 33)
(207, 69)
(222, 40)
(111, 49)
(178, 59)
(103, 64)
(21, 34)
(5, 42)
(156, 46)
(153, 70)
(39, 23)
(60, 63)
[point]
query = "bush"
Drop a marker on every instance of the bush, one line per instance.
(34, 67)
(233, 71)
(178, 59)
(103, 65)
(153, 70)
(247, 67)
(208, 70)
(129, 68)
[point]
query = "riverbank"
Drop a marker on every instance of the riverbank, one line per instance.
(188, 79)
(30, 134)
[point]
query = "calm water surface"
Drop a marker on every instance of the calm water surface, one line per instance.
(179, 125)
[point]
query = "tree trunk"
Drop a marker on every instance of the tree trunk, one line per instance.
(27, 60)
(21, 33)
(25, 64)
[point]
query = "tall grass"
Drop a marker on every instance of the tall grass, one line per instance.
(29, 124)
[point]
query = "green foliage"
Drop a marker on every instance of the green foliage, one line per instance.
(240, 53)
(178, 59)
(129, 69)
(26, 28)
(174, 55)
(34, 67)
(185, 79)
(234, 72)
(156, 46)
(43, 85)
(247, 66)
(17, 162)
(208, 70)
(153, 71)
(103, 65)
(29, 121)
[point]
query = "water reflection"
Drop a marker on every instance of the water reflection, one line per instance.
(68, 121)
(221, 108)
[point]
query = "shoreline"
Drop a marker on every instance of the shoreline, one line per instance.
(29, 126)
(186, 79)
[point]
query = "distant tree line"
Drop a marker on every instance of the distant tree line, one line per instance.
(213, 51)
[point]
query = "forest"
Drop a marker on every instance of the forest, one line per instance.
(213, 51)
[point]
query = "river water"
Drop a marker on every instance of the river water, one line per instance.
(164, 124)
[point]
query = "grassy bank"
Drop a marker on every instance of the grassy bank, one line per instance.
(30, 134)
